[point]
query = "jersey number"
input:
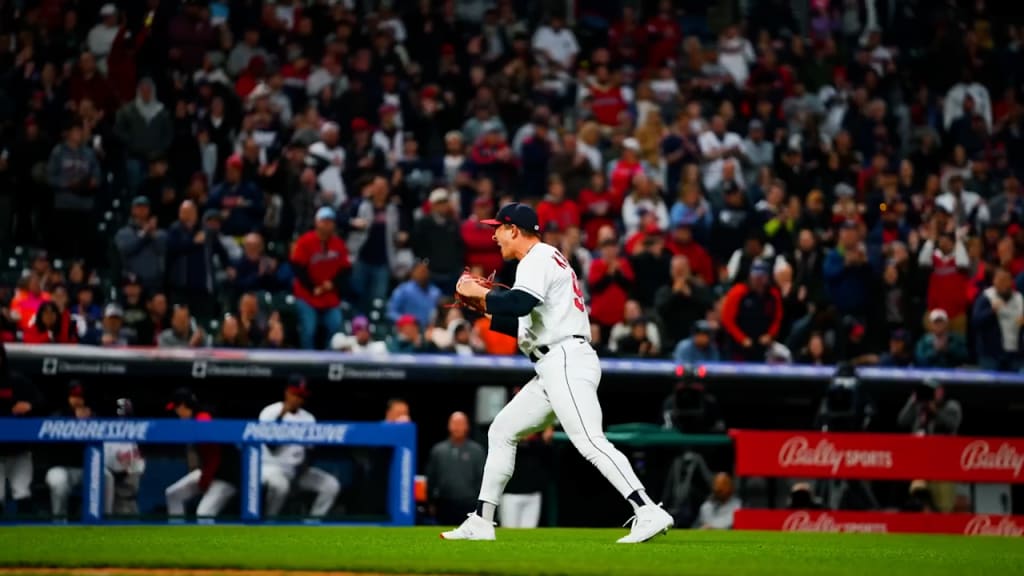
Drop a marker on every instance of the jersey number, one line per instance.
(578, 299)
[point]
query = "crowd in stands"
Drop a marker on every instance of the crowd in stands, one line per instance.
(838, 183)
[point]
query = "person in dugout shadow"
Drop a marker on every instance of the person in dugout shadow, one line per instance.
(125, 465)
(690, 409)
(217, 473)
(930, 411)
(846, 407)
(19, 398)
(64, 460)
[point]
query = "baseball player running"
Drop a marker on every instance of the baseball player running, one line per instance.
(288, 464)
(544, 309)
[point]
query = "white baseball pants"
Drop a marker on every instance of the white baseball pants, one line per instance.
(566, 386)
(520, 510)
(62, 480)
(16, 469)
(212, 502)
(278, 481)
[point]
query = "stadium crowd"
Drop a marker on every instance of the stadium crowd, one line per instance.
(832, 183)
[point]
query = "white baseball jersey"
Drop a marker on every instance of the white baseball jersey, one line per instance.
(545, 274)
(289, 456)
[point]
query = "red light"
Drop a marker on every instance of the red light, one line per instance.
(680, 371)
(702, 372)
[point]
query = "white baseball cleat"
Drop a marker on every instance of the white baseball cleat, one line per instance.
(474, 528)
(649, 521)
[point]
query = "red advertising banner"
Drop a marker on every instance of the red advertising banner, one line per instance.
(878, 456)
(878, 522)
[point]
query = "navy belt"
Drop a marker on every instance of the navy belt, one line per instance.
(542, 351)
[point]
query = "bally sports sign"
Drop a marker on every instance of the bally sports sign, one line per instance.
(878, 522)
(878, 456)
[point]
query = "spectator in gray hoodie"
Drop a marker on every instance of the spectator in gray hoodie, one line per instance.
(142, 247)
(74, 174)
(145, 130)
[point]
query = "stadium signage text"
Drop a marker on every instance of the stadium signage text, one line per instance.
(803, 522)
(799, 452)
(842, 521)
(277, 432)
(85, 430)
(979, 455)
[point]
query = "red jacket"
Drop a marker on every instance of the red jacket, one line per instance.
(63, 334)
(622, 176)
(481, 249)
(607, 103)
(591, 205)
(665, 35)
(608, 295)
(316, 262)
(565, 213)
(947, 286)
(747, 314)
(700, 262)
(96, 89)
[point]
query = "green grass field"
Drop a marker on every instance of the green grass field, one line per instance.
(545, 551)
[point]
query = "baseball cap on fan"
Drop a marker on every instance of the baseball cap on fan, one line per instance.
(519, 215)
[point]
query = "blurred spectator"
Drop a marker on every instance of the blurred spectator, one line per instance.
(155, 322)
(555, 207)
(239, 201)
(255, 271)
(360, 341)
(143, 247)
(329, 158)
(719, 147)
(817, 351)
(101, 36)
(73, 173)
(86, 315)
(50, 326)
(900, 353)
(643, 199)
(114, 332)
(650, 261)
(436, 238)
(848, 275)
(940, 347)
(455, 468)
(624, 332)
(997, 318)
(183, 332)
(682, 303)
(481, 250)
(145, 130)
(717, 512)
(416, 296)
(409, 338)
(374, 239)
(28, 297)
(321, 265)
(191, 250)
(611, 280)
(699, 348)
(946, 259)
(64, 471)
(397, 411)
(752, 315)
(252, 322)
(231, 334)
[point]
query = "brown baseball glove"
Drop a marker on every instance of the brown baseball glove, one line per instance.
(475, 303)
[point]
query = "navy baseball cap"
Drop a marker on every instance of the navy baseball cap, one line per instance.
(516, 214)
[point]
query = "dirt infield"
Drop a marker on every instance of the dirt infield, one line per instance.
(177, 572)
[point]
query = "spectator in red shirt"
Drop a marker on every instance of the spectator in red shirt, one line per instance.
(626, 167)
(49, 326)
(320, 262)
(682, 242)
(599, 207)
(479, 239)
(664, 35)
(752, 315)
(606, 99)
(627, 31)
(87, 83)
(611, 280)
(555, 207)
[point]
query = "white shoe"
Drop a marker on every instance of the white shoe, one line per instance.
(649, 521)
(474, 528)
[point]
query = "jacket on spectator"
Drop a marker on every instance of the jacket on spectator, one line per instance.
(190, 265)
(599, 209)
(748, 314)
(997, 333)
(69, 171)
(315, 262)
(848, 287)
(244, 201)
(480, 247)
(953, 354)
(687, 353)
(410, 298)
(439, 241)
(565, 213)
(948, 282)
(142, 254)
(357, 238)
(679, 312)
(145, 131)
(609, 292)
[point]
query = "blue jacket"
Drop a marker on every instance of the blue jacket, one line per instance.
(241, 219)
(687, 353)
(189, 264)
(848, 287)
(409, 298)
